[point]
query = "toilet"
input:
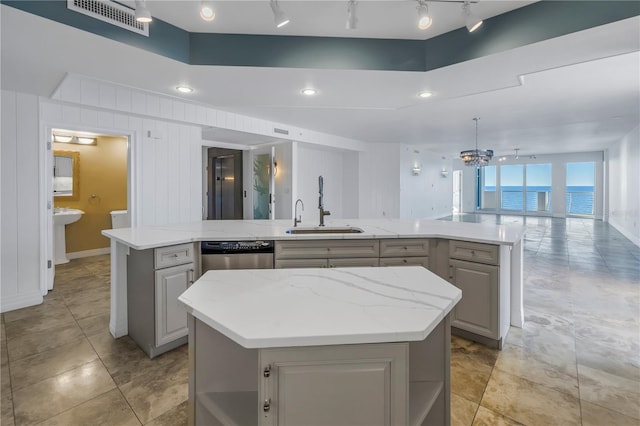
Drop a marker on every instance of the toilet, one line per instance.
(119, 219)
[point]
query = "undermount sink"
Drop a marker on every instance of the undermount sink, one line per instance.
(326, 230)
(62, 217)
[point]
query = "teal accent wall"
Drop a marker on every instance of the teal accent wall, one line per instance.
(530, 24)
(164, 39)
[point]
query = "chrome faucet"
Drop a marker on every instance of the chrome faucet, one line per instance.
(323, 212)
(296, 221)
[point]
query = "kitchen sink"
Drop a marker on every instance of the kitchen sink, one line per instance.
(326, 230)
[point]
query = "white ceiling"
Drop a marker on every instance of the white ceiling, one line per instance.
(581, 92)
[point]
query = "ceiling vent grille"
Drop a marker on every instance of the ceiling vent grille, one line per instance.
(111, 12)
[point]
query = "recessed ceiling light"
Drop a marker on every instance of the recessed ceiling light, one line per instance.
(184, 89)
(309, 92)
(425, 94)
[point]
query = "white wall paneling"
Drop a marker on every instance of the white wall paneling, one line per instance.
(22, 267)
(379, 181)
(314, 161)
(624, 185)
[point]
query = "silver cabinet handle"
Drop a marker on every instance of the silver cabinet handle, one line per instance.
(191, 276)
(267, 405)
(267, 371)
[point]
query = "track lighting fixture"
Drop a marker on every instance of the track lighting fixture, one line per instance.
(424, 20)
(278, 15)
(472, 22)
(142, 13)
(352, 20)
(206, 11)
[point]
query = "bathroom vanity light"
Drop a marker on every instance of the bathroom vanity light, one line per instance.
(80, 140)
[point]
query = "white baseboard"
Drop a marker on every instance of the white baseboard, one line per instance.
(11, 303)
(616, 224)
(88, 253)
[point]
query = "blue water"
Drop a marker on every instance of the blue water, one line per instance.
(578, 200)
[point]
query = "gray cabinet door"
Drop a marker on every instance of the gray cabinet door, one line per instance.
(337, 385)
(171, 317)
(477, 312)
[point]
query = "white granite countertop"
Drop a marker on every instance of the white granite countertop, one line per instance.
(266, 308)
(238, 230)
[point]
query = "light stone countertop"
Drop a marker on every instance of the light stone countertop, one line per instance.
(267, 308)
(241, 230)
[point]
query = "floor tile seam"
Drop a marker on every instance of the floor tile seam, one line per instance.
(55, 375)
(480, 404)
(124, 397)
(40, 353)
(608, 408)
(475, 413)
(74, 407)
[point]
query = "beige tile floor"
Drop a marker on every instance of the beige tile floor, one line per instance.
(576, 361)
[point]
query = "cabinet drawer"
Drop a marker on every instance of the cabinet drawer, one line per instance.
(328, 249)
(300, 263)
(405, 261)
(404, 247)
(474, 252)
(173, 255)
(357, 262)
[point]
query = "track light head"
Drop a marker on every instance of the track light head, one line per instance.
(278, 15)
(471, 22)
(352, 19)
(207, 12)
(424, 20)
(142, 13)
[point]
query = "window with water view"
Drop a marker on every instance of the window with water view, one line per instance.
(580, 188)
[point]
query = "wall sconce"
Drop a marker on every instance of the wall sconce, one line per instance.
(416, 170)
(444, 173)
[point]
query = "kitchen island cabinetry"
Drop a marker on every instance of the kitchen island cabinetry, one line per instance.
(346, 369)
(475, 269)
(157, 321)
(405, 252)
(326, 253)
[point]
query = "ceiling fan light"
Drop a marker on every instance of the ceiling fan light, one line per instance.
(142, 14)
(207, 12)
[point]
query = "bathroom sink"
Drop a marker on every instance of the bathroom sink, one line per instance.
(64, 216)
(326, 230)
(61, 217)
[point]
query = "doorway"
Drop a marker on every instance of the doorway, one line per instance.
(224, 184)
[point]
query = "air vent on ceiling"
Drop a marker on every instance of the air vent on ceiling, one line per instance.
(111, 12)
(281, 131)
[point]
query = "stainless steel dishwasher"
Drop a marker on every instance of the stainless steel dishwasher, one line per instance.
(236, 255)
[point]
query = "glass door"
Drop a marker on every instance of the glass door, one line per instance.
(487, 196)
(538, 189)
(263, 183)
(511, 188)
(580, 189)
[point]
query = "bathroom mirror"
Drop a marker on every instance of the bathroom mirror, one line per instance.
(66, 183)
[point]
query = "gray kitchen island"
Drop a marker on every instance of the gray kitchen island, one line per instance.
(357, 346)
(154, 264)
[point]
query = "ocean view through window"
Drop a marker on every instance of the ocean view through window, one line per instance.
(580, 188)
